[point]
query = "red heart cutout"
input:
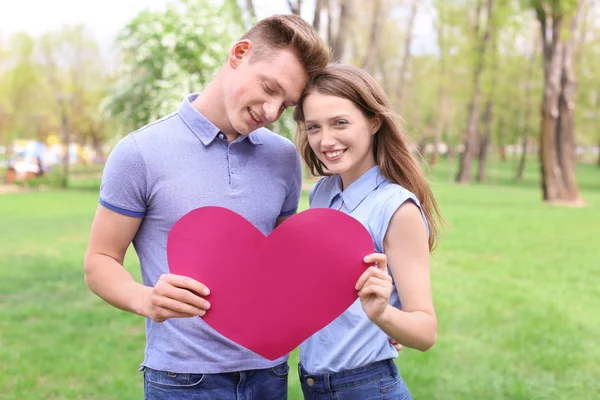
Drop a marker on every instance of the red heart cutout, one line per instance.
(271, 293)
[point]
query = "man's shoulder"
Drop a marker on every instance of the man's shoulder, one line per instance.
(156, 127)
(272, 139)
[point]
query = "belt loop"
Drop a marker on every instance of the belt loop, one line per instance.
(327, 383)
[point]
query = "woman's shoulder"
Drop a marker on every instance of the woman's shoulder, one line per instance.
(394, 192)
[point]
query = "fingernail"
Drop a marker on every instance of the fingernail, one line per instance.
(207, 305)
(205, 291)
(202, 312)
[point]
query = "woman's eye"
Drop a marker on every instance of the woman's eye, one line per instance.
(268, 89)
(311, 127)
(340, 122)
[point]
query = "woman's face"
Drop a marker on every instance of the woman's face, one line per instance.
(340, 135)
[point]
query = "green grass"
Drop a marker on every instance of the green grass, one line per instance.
(516, 286)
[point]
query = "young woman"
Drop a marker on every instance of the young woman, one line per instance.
(347, 133)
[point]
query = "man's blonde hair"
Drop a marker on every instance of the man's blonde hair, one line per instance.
(289, 32)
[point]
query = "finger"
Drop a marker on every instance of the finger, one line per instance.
(377, 281)
(377, 291)
(188, 283)
(187, 297)
(167, 307)
(397, 346)
(371, 271)
(379, 259)
(164, 314)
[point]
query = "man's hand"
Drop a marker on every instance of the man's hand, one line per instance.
(176, 296)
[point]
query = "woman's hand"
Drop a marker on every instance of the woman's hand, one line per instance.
(375, 286)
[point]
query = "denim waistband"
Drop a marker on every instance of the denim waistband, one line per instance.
(347, 379)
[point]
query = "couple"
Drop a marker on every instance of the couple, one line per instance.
(215, 151)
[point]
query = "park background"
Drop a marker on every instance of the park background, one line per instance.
(500, 99)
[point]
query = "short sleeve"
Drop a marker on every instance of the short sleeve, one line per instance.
(314, 189)
(292, 199)
(390, 206)
(124, 184)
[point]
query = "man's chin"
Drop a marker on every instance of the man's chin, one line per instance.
(243, 129)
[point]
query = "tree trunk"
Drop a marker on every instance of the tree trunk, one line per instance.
(470, 143)
(523, 158)
(485, 141)
(558, 171)
(451, 157)
(406, 55)
(317, 16)
(330, 32)
(368, 63)
(65, 140)
(566, 128)
(251, 10)
(526, 126)
(488, 118)
(441, 92)
(337, 42)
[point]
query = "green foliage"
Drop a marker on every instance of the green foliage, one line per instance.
(167, 54)
(76, 81)
(20, 84)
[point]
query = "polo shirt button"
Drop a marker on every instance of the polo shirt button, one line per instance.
(221, 136)
(232, 171)
(310, 382)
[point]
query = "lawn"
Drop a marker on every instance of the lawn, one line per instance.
(516, 286)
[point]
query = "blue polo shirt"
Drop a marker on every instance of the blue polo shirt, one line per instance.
(172, 166)
(352, 340)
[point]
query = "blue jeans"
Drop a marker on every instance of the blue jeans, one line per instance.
(261, 384)
(377, 381)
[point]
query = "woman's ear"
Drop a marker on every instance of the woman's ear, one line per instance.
(241, 49)
(376, 124)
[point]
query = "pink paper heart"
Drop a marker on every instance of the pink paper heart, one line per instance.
(271, 293)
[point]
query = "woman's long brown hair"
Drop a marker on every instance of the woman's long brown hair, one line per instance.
(390, 145)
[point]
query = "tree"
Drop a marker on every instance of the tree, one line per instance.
(557, 135)
(169, 53)
(75, 81)
(370, 59)
(526, 120)
(407, 51)
(21, 84)
(339, 17)
(483, 36)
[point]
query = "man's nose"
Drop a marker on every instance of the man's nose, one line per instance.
(271, 112)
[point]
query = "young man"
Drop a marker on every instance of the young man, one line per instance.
(213, 151)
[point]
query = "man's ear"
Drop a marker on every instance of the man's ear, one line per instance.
(376, 124)
(238, 52)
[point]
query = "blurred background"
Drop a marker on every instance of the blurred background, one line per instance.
(501, 100)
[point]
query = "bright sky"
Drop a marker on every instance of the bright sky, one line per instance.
(106, 17)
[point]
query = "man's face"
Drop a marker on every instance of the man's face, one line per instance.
(257, 92)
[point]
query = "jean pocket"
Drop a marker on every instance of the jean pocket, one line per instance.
(171, 380)
(395, 384)
(280, 371)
